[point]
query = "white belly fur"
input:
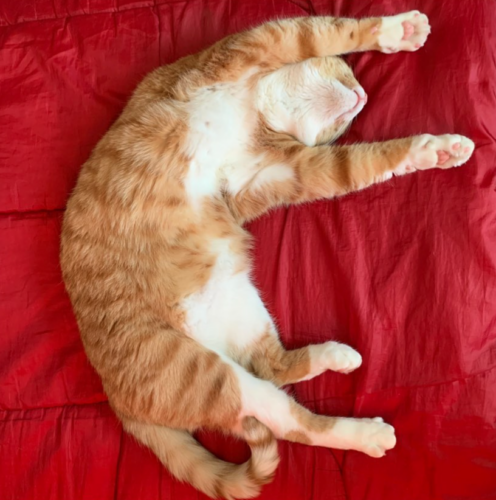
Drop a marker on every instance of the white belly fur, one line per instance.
(228, 311)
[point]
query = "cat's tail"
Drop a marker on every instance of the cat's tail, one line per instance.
(188, 461)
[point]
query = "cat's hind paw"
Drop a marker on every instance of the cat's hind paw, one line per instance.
(341, 358)
(377, 437)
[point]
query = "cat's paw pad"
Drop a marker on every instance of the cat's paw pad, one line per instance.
(376, 437)
(457, 151)
(442, 151)
(341, 358)
(407, 32)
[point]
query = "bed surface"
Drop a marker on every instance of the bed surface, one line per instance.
(405, 271)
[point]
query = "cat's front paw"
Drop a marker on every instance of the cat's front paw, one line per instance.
(376, 436)
(341, 358)
(407, 32)
(441, 151)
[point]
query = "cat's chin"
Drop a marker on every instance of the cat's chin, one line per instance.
(350, 114)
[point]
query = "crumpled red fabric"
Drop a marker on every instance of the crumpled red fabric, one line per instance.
(405, 271)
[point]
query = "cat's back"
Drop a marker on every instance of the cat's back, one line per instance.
(148, 203)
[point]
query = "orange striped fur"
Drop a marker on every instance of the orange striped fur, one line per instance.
(155, 259)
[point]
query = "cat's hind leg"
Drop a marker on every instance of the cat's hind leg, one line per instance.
(267, 358)
(290, 421)
(229, 318)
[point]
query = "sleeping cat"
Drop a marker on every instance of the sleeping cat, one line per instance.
(155, 258)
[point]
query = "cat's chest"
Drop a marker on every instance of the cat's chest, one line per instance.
(221, 122)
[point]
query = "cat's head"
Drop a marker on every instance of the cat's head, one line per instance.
(314, 100)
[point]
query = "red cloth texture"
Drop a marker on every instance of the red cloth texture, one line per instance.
(405, 271)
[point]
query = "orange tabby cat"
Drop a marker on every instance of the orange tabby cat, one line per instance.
(155, 258)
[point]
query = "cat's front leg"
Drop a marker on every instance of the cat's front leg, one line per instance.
(298, 173)
(404, 32)
(403, 156)
(329, 171)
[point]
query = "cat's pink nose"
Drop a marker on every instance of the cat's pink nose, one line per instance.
(362, 96)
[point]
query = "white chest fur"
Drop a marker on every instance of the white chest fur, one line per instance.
(221, 121)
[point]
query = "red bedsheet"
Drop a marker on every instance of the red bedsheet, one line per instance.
(404, 271)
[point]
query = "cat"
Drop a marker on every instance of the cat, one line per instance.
(156, 261)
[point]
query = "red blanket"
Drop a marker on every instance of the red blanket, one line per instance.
(404, 271)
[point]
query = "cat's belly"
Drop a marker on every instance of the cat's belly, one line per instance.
(227, 312)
